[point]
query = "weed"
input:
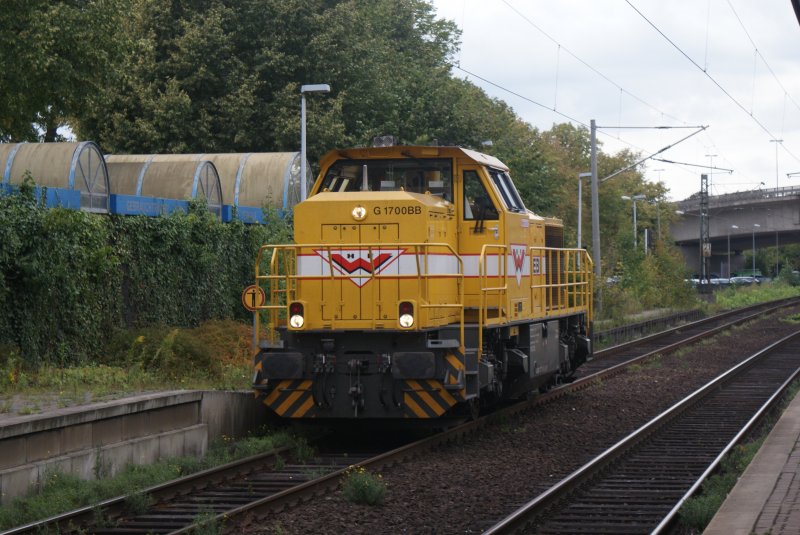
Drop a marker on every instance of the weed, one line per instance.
(653, 363)
(741, 296)
(280, 464)
(362, 487)
(315, 473)
(302, 450)
(58, 492)
(99, 519)
(101, 468)
(207, 524)
(698, 510)
(137, 503)
(795, 318)
(30, 409)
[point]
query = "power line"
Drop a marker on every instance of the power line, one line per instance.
(587, 65)
(600, 74)
(759, 54)
(548, 108)
(523, 97)
(704, 71)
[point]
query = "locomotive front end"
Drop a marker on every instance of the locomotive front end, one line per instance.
(364, 316)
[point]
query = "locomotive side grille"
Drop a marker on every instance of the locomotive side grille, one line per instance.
(553, 236)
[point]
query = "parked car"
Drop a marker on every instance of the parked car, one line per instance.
(744, 280)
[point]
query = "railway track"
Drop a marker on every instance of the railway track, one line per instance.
(638, 485)
(631, 331)
(188, 501)
(674, 338)
(254, 486)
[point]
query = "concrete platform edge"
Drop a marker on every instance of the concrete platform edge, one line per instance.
(743, 506)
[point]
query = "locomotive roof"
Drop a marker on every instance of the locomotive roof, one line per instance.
(417, 151)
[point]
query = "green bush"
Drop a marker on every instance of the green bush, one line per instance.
(59, 274)
(647, 281)
(362, 487)
(70, 280)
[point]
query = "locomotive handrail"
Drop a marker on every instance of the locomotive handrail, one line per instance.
(502, 291)
(576, 268)
(283, 276)
(566, 288)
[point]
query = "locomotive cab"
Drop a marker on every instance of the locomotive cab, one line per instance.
(418, 286)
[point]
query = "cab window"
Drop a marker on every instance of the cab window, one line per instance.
(416, 175)
(508, 192)
(477, 203)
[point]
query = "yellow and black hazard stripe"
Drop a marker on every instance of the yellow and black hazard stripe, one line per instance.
(454, 373)
(426, 399)
(292, 399)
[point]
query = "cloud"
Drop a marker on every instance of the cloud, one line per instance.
(555, 55)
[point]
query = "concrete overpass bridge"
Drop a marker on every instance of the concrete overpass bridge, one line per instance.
(765, 217)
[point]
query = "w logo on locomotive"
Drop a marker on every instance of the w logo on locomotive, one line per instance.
(359, 264)
(518, 256)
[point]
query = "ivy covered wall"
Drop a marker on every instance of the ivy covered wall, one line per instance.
(69, 279)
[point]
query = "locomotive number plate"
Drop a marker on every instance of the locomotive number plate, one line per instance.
(397, 210)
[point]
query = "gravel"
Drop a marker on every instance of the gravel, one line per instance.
(468, 487)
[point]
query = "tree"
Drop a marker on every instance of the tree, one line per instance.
(55, 61)
(221, 75)
(182, 86)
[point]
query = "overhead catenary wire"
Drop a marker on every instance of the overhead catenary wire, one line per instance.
(622, 90)
(557, 103)
(615, 173)
(709, 76)
(548, 108)
(523, 97)
(587, 65)
(694, 165)
(758, 53)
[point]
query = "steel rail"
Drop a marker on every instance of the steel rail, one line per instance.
(330, 482)
(522, 519)
(308, 490)
(68, 520)
(752, 312)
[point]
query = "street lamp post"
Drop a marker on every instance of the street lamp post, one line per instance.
(580, 203)
(634, 199)
(729, 249)
(311, 88)
(755, 226)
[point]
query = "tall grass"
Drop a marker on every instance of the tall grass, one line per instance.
(742, 296)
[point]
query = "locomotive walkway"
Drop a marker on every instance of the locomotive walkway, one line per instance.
(766, 498)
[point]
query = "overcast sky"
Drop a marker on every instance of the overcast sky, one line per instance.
(603, 60)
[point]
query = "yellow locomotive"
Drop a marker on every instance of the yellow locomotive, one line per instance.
(419, 286)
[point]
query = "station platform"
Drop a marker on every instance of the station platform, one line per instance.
(766, 499)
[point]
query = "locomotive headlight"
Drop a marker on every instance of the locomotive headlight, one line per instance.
(296, 319)
(359, 213)
(406, 321)
(406, 316)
